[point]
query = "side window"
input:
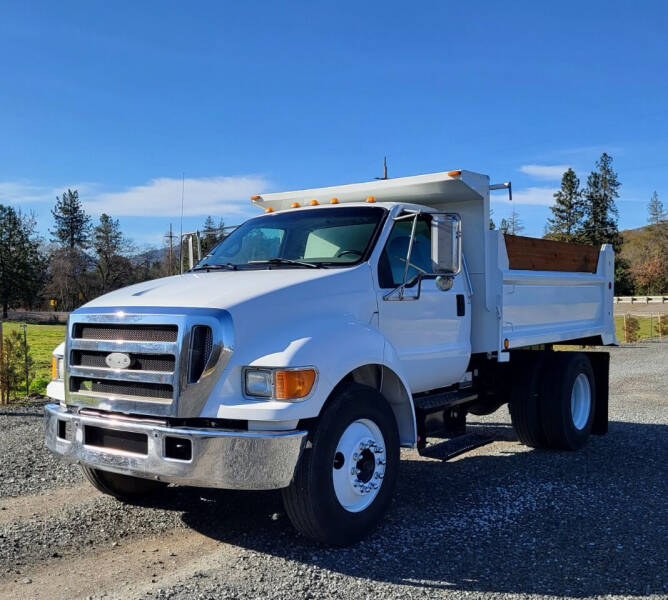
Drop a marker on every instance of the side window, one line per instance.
(393, 259)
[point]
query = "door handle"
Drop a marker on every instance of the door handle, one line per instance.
(461, 305)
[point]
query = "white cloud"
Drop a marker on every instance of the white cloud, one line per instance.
(162, 197)
(22, 192)
(540, 196)
(18, 192)
(548, 172)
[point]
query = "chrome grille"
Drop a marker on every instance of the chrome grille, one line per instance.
(139, 362)
(122, 388)
(128, 333)
(176, 356)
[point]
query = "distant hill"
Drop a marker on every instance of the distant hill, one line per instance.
(645, 250)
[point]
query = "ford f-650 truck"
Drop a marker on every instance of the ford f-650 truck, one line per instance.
(321, 336)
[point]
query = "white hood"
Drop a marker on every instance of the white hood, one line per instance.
(226, 289)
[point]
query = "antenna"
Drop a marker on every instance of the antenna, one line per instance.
(384, 169)
(183, 189)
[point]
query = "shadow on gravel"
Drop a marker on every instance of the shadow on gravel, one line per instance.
(592, 522)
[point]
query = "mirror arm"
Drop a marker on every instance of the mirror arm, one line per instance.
(408, 254)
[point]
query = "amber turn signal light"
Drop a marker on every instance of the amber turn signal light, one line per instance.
(54, 367)
(293, 384)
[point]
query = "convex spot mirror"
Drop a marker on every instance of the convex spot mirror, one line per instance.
(446, 243)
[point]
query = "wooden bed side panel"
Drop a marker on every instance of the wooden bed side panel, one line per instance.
(534, 254)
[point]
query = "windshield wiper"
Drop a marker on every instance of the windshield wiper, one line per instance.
(286, 261)
(215, 267)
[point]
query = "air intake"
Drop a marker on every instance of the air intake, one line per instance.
(201, 345)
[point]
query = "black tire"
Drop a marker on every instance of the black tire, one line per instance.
(560, 375)
(525, 401)
(310, 501)
(122, 487)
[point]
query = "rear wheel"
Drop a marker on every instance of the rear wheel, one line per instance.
(344, 482)
(525, 401)
(122, 487)
(568, 400)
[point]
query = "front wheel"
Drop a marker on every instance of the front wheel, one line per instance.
(344, 482)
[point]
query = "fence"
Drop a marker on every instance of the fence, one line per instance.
(641, 299)
(643, 326)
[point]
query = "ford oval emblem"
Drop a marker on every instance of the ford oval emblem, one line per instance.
(118, 360)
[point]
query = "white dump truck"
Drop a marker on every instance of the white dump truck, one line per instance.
(321, 336)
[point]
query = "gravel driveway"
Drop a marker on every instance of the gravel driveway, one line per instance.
(502, 521)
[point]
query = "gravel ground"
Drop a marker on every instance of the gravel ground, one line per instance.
(502, 521)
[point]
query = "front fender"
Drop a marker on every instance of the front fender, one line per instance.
(339, 348)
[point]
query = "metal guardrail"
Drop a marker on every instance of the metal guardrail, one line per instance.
(641, 299)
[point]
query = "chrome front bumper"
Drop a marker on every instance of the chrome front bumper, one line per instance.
(244, 460)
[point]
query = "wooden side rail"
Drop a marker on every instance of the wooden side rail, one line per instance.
(534, 254)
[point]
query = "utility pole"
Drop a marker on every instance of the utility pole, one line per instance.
(170, 236)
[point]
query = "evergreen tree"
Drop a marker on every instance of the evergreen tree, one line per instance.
(600, 224)
(20, 259)
(212, 233)
(109, 244)
(567, 211)
(72, 224)
(656, 212)
(503, 226)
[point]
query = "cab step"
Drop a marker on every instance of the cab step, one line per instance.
(454, 447)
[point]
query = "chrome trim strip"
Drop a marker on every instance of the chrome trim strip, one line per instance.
(122, 375)
(245, 460)
(129, 347)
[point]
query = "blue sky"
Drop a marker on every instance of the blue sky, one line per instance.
(119, 99)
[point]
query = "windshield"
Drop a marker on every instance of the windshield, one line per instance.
(338, 236)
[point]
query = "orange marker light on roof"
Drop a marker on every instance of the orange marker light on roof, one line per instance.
(314, 203)
(334, 201)
(268, 209)
(454, 173)
(370, 199)
(254, 198)
(294, 205)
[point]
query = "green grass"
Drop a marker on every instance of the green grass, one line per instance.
(42, 339)
(643, 332)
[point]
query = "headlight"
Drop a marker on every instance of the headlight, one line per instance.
(57, 367)
(259, 383)
(279, 384)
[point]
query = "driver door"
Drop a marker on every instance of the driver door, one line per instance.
(430, 332)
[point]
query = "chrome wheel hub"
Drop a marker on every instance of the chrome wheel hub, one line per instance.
(359, 465)
(580, 401)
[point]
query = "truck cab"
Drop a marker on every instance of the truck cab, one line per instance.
(319, 337)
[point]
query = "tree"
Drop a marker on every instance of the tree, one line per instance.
(211, 234)
(21, 264)
(511, 226)
(113, 269)
(655, 209)
(492, 224)
(72, 224)
(15, 364)
(600, 211)
(567, 211)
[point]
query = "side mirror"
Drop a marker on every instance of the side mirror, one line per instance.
(446, 243)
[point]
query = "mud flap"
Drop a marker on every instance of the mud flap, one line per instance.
(600, 362)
